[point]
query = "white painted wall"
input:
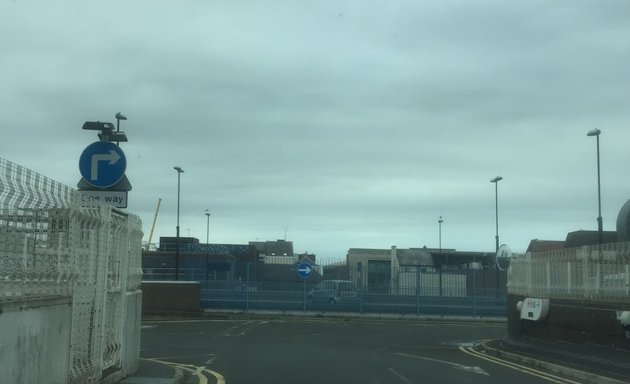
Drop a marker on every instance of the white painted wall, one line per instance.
(35, 341)
(131, 332)
(130, 346)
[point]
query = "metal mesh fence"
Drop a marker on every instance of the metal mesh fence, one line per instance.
(408, 291)
(22, 188)
(600, 273)
(51, 247)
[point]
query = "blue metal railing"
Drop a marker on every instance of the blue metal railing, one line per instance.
(295, 297)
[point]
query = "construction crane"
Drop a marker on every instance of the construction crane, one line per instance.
(157, 209)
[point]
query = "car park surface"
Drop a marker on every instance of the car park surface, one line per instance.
(276, 349)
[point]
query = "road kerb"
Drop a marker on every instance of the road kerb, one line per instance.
(551, 367)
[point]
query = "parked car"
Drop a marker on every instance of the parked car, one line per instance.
(333, 292)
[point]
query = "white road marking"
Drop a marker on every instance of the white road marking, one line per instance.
(400, 376)
(243, 329)
(521, 368)
(476, 370)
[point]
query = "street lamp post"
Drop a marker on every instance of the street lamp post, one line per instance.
(179, 173)
(496, 237)
(496, 205)
(440, 221)
(208, 226)
(207, 240)
(600, 225)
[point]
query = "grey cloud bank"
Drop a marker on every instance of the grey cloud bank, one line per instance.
(352, 125)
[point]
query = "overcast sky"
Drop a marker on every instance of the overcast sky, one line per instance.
(338, 123)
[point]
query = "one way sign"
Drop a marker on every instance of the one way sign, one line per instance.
(102, 164)
(304, 270)
(116, 199)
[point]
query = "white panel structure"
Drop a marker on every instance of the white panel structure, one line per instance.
(51, 247)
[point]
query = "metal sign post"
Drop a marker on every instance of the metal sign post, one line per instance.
(304, 270)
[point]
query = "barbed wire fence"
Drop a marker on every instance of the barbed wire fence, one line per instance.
(52, 247)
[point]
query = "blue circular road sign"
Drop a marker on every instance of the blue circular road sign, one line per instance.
(102, 164)
(304, 270)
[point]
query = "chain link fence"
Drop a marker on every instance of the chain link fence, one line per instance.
(51, 247)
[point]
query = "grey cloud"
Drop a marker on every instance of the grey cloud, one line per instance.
(354, 124)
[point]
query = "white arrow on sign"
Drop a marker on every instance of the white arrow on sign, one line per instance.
(305, 270)
(112, 157)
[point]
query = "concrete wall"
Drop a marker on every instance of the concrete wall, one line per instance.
(131, 332)
(35, 341)
(130, 346)
(578, 322)
(171, 296)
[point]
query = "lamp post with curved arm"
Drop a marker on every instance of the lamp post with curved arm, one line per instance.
(496, 237)
(440, 221)
(600, 225)
(496, 205)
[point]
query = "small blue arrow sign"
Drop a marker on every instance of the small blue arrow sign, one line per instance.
(102, 164)
(304, 270)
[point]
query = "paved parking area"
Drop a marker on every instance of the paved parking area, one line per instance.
(311, 350)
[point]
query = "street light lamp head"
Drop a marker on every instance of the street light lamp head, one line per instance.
(440, 220)
(120, 116)
(98, 126)
(594, 132)
(178, 169)
(496, 179)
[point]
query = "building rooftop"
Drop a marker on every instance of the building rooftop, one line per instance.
(582, 238)
(274, 248)
(544, 245)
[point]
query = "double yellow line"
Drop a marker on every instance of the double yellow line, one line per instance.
(198, 371)
(530, 371)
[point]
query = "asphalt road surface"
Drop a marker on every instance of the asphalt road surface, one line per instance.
(302, 350)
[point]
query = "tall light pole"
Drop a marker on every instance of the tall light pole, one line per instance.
(208, 226)
(440, 221)
(496, 237)
(496, 206)
(207, 239)
(600, 226)
(179, 173)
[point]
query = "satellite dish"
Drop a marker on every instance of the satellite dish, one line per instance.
(504, 254)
